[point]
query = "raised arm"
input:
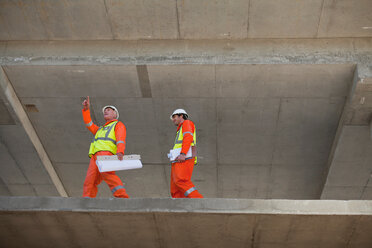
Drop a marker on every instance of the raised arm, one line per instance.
(93, 128)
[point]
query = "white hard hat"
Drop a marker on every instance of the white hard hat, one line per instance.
(179, 111)
(112, 107)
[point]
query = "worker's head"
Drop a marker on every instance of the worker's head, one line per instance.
(110, 113)
(178, 116)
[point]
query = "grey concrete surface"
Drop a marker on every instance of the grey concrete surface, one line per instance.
(278, 125)
(22, 171)
(284, 19)
(213, 19)
(169, 52)
(61, 222)
(132, 20)
(339, 20)
(280, 92)
(270, 112)
(286, 110)
(12, 99)
(49, 20)
(353, 155)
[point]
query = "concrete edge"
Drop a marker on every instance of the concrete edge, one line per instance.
(169, 205)
(168, 52)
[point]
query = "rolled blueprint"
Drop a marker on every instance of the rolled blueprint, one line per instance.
(112, 163)
(172, 155)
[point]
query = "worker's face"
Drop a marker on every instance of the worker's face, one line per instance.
(176, 119)
(109, 114)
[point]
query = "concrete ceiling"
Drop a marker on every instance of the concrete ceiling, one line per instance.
(264, 131)
(192, 19)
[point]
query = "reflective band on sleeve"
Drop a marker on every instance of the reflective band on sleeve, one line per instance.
(89, 124)
(189, 191)
(189, 133)
(117, 188)
(118, 142)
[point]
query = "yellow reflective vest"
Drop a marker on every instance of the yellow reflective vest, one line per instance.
(179, 139)
(104, 140)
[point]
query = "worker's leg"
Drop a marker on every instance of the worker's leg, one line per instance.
(115, 184)
(92, 180)
(175, 191)
(181, 176)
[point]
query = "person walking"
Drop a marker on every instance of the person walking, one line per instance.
(109, 139)
(182, 167)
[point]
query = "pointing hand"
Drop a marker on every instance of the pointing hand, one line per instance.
(86, 103)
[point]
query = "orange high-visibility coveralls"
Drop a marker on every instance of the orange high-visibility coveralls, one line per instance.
(180, 183)
(94, 177)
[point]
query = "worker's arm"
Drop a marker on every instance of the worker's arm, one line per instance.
(187, 132)
(86, 117)
(120, 133)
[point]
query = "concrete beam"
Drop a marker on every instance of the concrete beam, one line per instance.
(78, 222)
(349, 166)
(164, 52)
(173, 205)
(12, 98)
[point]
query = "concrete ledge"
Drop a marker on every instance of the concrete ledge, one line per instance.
(164, 52)
(77, 222)
(232, 206)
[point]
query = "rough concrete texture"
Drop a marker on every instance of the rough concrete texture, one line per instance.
(286, 119)
(287, 110)
(169, 52)
(354, 155)
(169, 19)
(276, 118)
(61, 222)
(270, 112)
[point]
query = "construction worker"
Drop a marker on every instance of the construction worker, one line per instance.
(182, 167)
(109, 140)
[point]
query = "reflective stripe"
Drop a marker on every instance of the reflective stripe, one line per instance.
(104, 139)
(89, 124)
(113, 141)
(176, 141)
(189, 191)
(108, 132)
(176, 161)
(118, 142)
(106, 136)
(117, 188)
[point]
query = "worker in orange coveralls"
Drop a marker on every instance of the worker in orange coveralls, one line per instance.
(181, 172)
(109, 140)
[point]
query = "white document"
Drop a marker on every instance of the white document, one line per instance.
(173, 154)
(112, 163)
